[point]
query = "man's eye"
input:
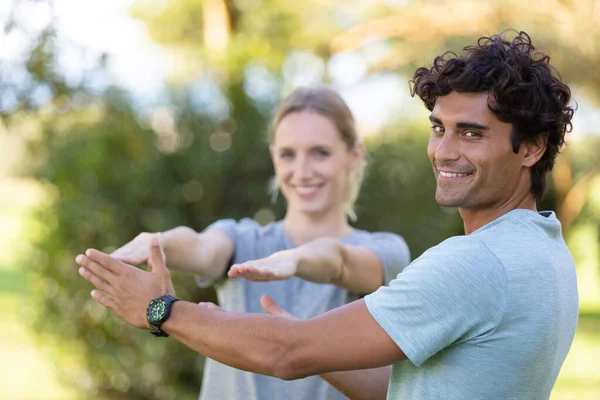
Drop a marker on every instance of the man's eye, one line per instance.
(437, 129)
(472, 134)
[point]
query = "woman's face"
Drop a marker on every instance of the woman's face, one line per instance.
(312, 163)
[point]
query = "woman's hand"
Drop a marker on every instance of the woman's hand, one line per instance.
(279, 266)
(136, 252)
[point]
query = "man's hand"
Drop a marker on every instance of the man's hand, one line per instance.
(279, 266)
(124, 288)
(270, 306)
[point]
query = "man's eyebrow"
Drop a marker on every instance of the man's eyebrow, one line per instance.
(461, 125)
(435, 120)
(471, 125)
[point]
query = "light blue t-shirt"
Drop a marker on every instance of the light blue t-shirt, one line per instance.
(490, 315)
(301, 298)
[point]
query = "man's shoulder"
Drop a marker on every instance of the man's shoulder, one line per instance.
(463, 244)
(462, 254)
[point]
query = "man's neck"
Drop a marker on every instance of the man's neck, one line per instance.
(475, 218)
(303, 228)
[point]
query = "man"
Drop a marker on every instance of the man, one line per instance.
(487, 315)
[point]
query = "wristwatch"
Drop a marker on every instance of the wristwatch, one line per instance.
(157, 312)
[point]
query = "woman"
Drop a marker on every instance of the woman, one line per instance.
(324, 262)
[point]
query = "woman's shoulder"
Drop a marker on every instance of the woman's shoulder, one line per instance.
(249, 226)
(362, 235)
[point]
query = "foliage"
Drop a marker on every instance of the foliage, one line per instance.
(112, 171)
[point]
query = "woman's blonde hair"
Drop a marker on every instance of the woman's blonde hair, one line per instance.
(327, 102)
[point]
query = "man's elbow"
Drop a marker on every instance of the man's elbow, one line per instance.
(289, 368)
(292, 360)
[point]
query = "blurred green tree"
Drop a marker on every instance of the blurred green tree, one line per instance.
(112, 171)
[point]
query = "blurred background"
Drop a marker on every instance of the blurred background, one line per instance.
(123, 116)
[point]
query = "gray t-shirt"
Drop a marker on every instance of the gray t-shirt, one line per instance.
(301, 298)
(490, 315)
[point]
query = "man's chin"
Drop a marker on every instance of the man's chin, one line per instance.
(448, 201)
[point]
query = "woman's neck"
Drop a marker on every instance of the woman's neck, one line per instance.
(303, 228)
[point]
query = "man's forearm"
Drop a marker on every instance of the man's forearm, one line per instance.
(251, 342)
(287, 349)
(364, 384)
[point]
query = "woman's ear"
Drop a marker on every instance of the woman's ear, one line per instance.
(358, 154)
(272, 153)
(534, 150)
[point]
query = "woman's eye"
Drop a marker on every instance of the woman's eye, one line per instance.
(286, 154)
(322, 153)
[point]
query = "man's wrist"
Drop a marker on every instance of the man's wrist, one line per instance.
(169, 325)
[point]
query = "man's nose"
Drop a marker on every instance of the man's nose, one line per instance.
(445, 147)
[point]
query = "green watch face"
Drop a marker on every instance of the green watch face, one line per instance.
(156, 310)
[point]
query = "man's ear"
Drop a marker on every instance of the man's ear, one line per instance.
(534, 150)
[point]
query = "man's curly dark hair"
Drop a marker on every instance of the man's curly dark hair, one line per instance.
(524, 90)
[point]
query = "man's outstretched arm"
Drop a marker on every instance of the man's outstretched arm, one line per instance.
(347, 338)
(363, 384)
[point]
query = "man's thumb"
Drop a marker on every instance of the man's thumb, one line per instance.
(270, 306)
(157, 258)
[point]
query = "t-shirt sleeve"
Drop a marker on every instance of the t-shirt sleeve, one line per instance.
(228, 226)
(393, 252)
(453, 293)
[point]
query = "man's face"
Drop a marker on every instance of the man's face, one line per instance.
(471, 153)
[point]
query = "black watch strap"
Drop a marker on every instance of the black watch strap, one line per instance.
(164, 304)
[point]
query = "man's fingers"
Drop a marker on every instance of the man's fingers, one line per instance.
(270, 306)
(157, 258)
(129, 260)
(111, 263)
(104, 299)
(95, 268)
(95, 280)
